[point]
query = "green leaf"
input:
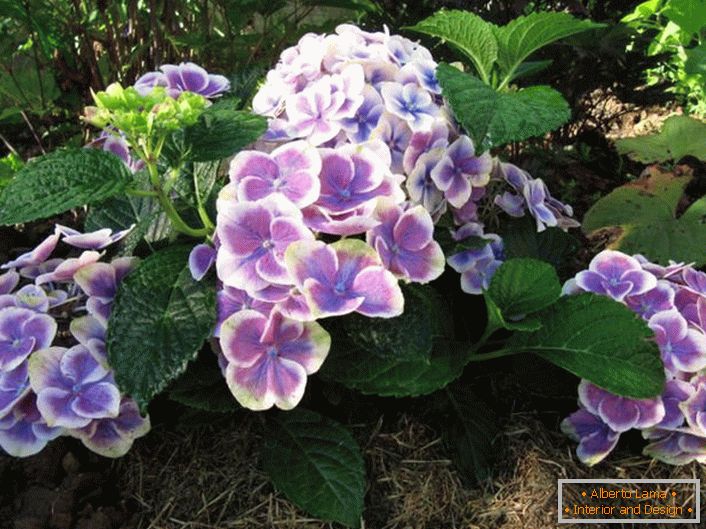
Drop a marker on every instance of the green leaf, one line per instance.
(689, 15)
(470, 434)
(529, 68)
(696, 60)
(600, 340)
(521, 239)
(202, 387)
(121, 212)
(680, 136)
(523, 286)
(526, 34)
(404, 356)
(467, 32)
(159, 321)
(222, 131)
(60, 181)
(644, 212)
(497, 118)
(317, 464)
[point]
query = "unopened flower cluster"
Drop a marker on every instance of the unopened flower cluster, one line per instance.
(672, 300)
(54, 373)
(338, 203)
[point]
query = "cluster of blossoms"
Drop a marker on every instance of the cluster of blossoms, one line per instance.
(672, 300)
(361, 146)
(54, 373)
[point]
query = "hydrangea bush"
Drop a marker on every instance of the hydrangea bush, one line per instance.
(672, 300)
(349, 188)
(55, 378)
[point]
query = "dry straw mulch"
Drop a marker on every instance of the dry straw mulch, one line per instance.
(209, 478)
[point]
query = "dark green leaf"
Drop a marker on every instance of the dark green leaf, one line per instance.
(497, 118)
(159, 321)
(317, 464)
(696, 60)
(529, 68)
(644, 211)
(521, 239)
(526, 34)
(470, 433)
(222, 131)
(600, 340)
(523, 286)
(404, 356)
(467, 32)
(202, 387)
(60, 181)
(689, 15)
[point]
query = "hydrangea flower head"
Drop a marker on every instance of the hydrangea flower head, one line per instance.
(663, 296)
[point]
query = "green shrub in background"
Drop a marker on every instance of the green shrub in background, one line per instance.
(678, 30)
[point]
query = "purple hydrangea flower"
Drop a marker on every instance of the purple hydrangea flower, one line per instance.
(616, 275)
(8, 282)
(422, 142)
(421, 187)
(682, 348)
(678, 448)
(38, 255)
(694, 407)
(476, 266)
(404, 240)
(96, 240)
(113, 437)
(72, 387)
(32, 297)
(410, 103)
(184, 77)
(23, 331)
(201, 259)
(596, 439)
(291, 170)
(653, 301)
(395, 133)
(230, 300)
(254, 237)
(675, 393)
(620, 413)
(14, 386)
(315, 112)
(459, 170)
(23, 431)
(343, 277)
(270, 358)
(359, 127)
(65, 270)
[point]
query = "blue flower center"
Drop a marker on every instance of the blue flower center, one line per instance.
(345, 193)
(340, 286)
(272, 352)
(16, 343)
(613, 281)
(268, 244)
(76, 388)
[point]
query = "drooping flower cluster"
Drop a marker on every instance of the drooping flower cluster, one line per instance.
(672, 300)
(54, 373)
(360, 145)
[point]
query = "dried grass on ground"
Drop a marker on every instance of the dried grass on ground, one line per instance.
(209, 478)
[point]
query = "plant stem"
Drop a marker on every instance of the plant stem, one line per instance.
(494, 354)
(179, 224)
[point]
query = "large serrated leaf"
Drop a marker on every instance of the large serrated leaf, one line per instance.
(523, 286)
(467, 32)
(496, 118)
(317, 464)
(644, 211)
(404, 356)
(159, 321)
(526, 34)
(470, 433)
(521, 239)
(202, 387)
(680, 136)
(60, 181)
(222, 131)
(600, 340)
